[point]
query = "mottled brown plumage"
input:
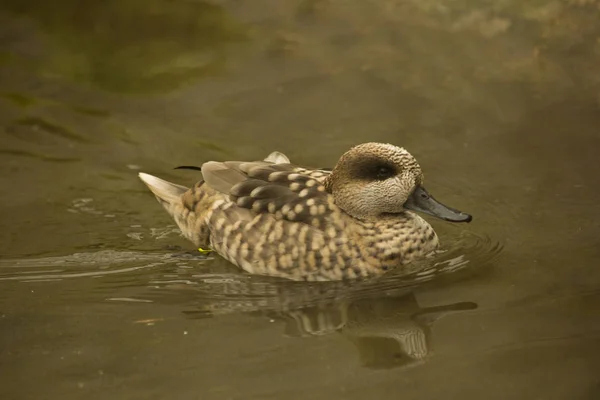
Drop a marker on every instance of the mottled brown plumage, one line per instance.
(274, 218)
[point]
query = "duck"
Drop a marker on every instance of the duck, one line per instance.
(272, 217)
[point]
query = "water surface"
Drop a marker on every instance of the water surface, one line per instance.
(101, 298)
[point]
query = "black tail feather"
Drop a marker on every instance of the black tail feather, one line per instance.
(189, 167)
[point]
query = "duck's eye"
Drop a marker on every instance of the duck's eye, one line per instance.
(374, 169)
(384, 172)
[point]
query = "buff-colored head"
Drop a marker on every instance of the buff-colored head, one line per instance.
(374, 178)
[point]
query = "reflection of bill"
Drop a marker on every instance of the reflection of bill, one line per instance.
(387, 332)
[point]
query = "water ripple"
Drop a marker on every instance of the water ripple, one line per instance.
(217, 293)
(214, 286)
(80, 265)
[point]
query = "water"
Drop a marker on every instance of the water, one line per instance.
(101, 298)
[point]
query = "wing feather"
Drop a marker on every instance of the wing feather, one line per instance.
(284, 190)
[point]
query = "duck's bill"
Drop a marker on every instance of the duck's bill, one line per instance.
(421, 201)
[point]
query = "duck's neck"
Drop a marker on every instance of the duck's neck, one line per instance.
(395, 239)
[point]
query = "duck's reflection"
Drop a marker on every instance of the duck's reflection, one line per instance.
(387, 326)
(388, 332)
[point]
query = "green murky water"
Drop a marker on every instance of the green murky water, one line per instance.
(100, 297)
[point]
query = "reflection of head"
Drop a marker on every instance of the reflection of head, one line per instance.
(383, 330)
(387, 335)
(388, 332)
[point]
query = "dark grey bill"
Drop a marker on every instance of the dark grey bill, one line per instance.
(420, 200)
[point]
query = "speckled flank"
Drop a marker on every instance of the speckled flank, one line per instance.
(295, 231)
(283, 220)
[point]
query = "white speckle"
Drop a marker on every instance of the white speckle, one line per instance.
(276, 175)
(310, 183)
(293, 229)
(271, 207)
(293, 177)
(298, 209)
(227, 231)
(256, 191)
(255, 207)
(134, 167)
(303, 193)
(295, 187)
(185, 332)
(218, 204)
(331, 231)
(219, 224)
(244, 250)
(310, 202)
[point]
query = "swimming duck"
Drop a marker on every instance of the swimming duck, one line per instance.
(275, 218)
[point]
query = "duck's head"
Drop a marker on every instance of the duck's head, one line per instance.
(372, 179)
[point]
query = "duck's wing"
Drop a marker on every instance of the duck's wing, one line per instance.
(284, 190)
(275, 220)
